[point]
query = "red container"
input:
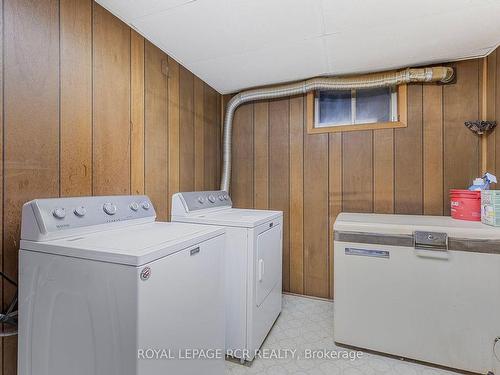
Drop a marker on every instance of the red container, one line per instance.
(465, 205)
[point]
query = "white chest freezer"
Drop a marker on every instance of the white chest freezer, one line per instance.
(421, 287)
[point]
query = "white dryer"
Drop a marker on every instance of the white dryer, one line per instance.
(105, 289)
(253, 262)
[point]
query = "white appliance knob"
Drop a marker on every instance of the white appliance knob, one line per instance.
(201, 199)
(146, 205)
(80, 211)
(221, 197)
(211, 198)
(134, 206)
(59, 213)
(226, 197)
(109, 208)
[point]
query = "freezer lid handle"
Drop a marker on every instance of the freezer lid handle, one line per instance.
(431, 240)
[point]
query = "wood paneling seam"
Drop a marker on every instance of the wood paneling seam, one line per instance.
(59, 98)
(422, 187)
(2, 352)
(130, 112)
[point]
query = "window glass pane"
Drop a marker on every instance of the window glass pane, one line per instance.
(334, 107)
(373, 105)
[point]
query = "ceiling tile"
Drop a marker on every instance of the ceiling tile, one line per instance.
(217, 28)
(412, 43)
(192, 32)
(260, 23)
(362, 14)
(280, 63)
(132, 9)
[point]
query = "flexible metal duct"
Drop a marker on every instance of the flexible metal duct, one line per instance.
(434, 74)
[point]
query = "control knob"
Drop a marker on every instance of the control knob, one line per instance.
(80, 211)
(201, 199)
(134, 206)
(59, 213)
(146, 205)
(211, 198)
(109, 208)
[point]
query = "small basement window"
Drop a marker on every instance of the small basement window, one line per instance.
(362, 109)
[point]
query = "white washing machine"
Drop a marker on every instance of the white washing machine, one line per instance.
(253, 263)
(105, 289)
(420, 287)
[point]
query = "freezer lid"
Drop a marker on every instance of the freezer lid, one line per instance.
(235, 217)
(136, 245)
(406, 225)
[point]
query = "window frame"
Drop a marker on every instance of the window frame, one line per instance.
(402, 97)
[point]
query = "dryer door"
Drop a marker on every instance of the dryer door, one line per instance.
(269, 254)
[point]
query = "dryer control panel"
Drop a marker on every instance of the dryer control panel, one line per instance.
(185, 202)
(46, 219)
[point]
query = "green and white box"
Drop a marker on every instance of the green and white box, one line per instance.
(490, 207)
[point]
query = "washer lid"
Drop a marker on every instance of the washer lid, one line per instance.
(231, 217)
(408, 224)
(135, 245)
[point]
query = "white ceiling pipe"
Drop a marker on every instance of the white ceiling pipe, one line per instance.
(387, 79)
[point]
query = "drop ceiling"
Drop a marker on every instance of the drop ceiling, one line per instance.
(237, 44)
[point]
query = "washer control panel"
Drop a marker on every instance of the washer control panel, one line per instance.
(200, 200)
(48, 216)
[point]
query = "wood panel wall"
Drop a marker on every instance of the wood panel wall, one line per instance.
(312, 178)
(90, 107)
(491, 109)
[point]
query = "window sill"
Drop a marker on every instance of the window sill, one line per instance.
(356, 127)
